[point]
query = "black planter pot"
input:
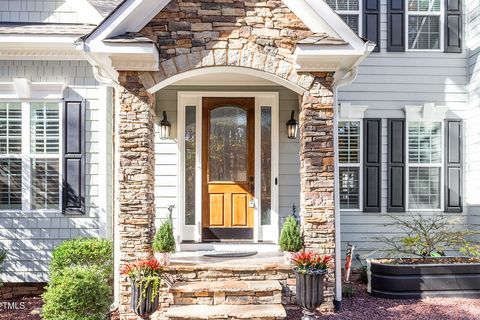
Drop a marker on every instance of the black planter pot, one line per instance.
(142, 303)
(415, 281)
(309, 291)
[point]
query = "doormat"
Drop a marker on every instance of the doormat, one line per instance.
(229, 254)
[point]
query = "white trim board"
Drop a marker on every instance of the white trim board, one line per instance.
(264, 233)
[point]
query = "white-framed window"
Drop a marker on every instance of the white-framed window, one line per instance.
(350, 12)
(425, 165)
(424, 23)
(30, 156)
(350, 163)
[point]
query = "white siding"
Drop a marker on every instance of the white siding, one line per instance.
(29, 237)
(473, 129)
(166, 152)
(387, 81)
(52, 11)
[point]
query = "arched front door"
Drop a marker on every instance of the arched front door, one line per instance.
(228, 165)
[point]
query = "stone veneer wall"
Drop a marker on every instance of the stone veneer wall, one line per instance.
(259, 35)
(136, 216)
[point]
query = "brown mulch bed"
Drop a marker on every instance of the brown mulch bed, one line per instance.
(362, 306)
(26, 308)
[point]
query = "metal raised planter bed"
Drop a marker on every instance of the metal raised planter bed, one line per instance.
(413, 281)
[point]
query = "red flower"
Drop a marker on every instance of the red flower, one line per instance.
(141, 268)
(310, 262)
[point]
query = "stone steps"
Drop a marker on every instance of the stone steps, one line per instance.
(228, 299)
(230, 312)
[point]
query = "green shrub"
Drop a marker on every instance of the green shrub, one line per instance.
(3, 257)
(164, 240)
(291, 237)
(84, 252)
(77, 293)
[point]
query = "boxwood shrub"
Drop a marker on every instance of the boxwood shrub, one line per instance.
(77, 293)
(84, 252)
(81, 274)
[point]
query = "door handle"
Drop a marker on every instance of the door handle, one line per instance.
(252, 185)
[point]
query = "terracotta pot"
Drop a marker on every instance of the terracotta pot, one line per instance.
(288, 257)
(163, 258)
(309, 293)
(142, 303)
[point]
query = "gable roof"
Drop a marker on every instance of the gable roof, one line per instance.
(105, 7)
(39, 28)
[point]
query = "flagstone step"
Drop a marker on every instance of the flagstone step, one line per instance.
(227, 292)
(230, 312)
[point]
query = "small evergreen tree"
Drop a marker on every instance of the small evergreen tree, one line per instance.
(291, 237)
(164, 240)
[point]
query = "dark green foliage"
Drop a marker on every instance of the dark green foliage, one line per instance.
(77, 293)
(3, 257)
(362, 275)
(84, 252)
(291, 237)
(164, 240)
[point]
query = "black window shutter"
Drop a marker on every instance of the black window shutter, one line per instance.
(372, 142)
(453, 167)
(396, 165)
(371, 22)
(453, 26)
(396, 25)
(74, 157)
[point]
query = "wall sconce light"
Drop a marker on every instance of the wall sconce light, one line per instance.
(165, 127)
(292, 127)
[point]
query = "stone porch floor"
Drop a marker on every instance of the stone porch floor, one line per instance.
(261, 260)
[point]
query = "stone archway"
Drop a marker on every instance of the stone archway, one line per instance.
(137, 164)
(261, 38)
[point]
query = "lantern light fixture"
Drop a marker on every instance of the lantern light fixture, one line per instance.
(165, 127)
(292, 127)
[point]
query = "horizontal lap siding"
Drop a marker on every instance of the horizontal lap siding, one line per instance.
(386, 82)
(473, 129)
(30, 237)
(166, 153)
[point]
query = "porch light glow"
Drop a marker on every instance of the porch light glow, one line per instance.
(292, 127)
(165, 127)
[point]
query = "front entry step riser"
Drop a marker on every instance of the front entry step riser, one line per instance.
(217, 299)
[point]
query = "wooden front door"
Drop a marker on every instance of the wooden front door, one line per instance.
(228, 168)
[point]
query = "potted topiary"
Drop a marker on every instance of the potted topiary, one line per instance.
(290, 239)
(310, 270)
(164, 243)
(145, 281)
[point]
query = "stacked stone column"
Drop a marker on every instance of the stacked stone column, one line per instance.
(136, 178)
(317, 173)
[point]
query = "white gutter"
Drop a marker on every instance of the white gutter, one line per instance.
(341, 79)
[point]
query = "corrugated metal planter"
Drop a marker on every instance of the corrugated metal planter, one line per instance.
(142, 302)
(415, 281)
(309, 293)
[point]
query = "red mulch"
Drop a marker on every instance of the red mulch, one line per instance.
(362, 306)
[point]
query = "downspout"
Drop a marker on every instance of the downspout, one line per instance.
(345, 78)
(341, 78)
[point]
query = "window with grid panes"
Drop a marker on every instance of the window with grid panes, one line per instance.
(424, 24)
(349, 156)
(29, 156)
(349, 11)
(424, 165)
